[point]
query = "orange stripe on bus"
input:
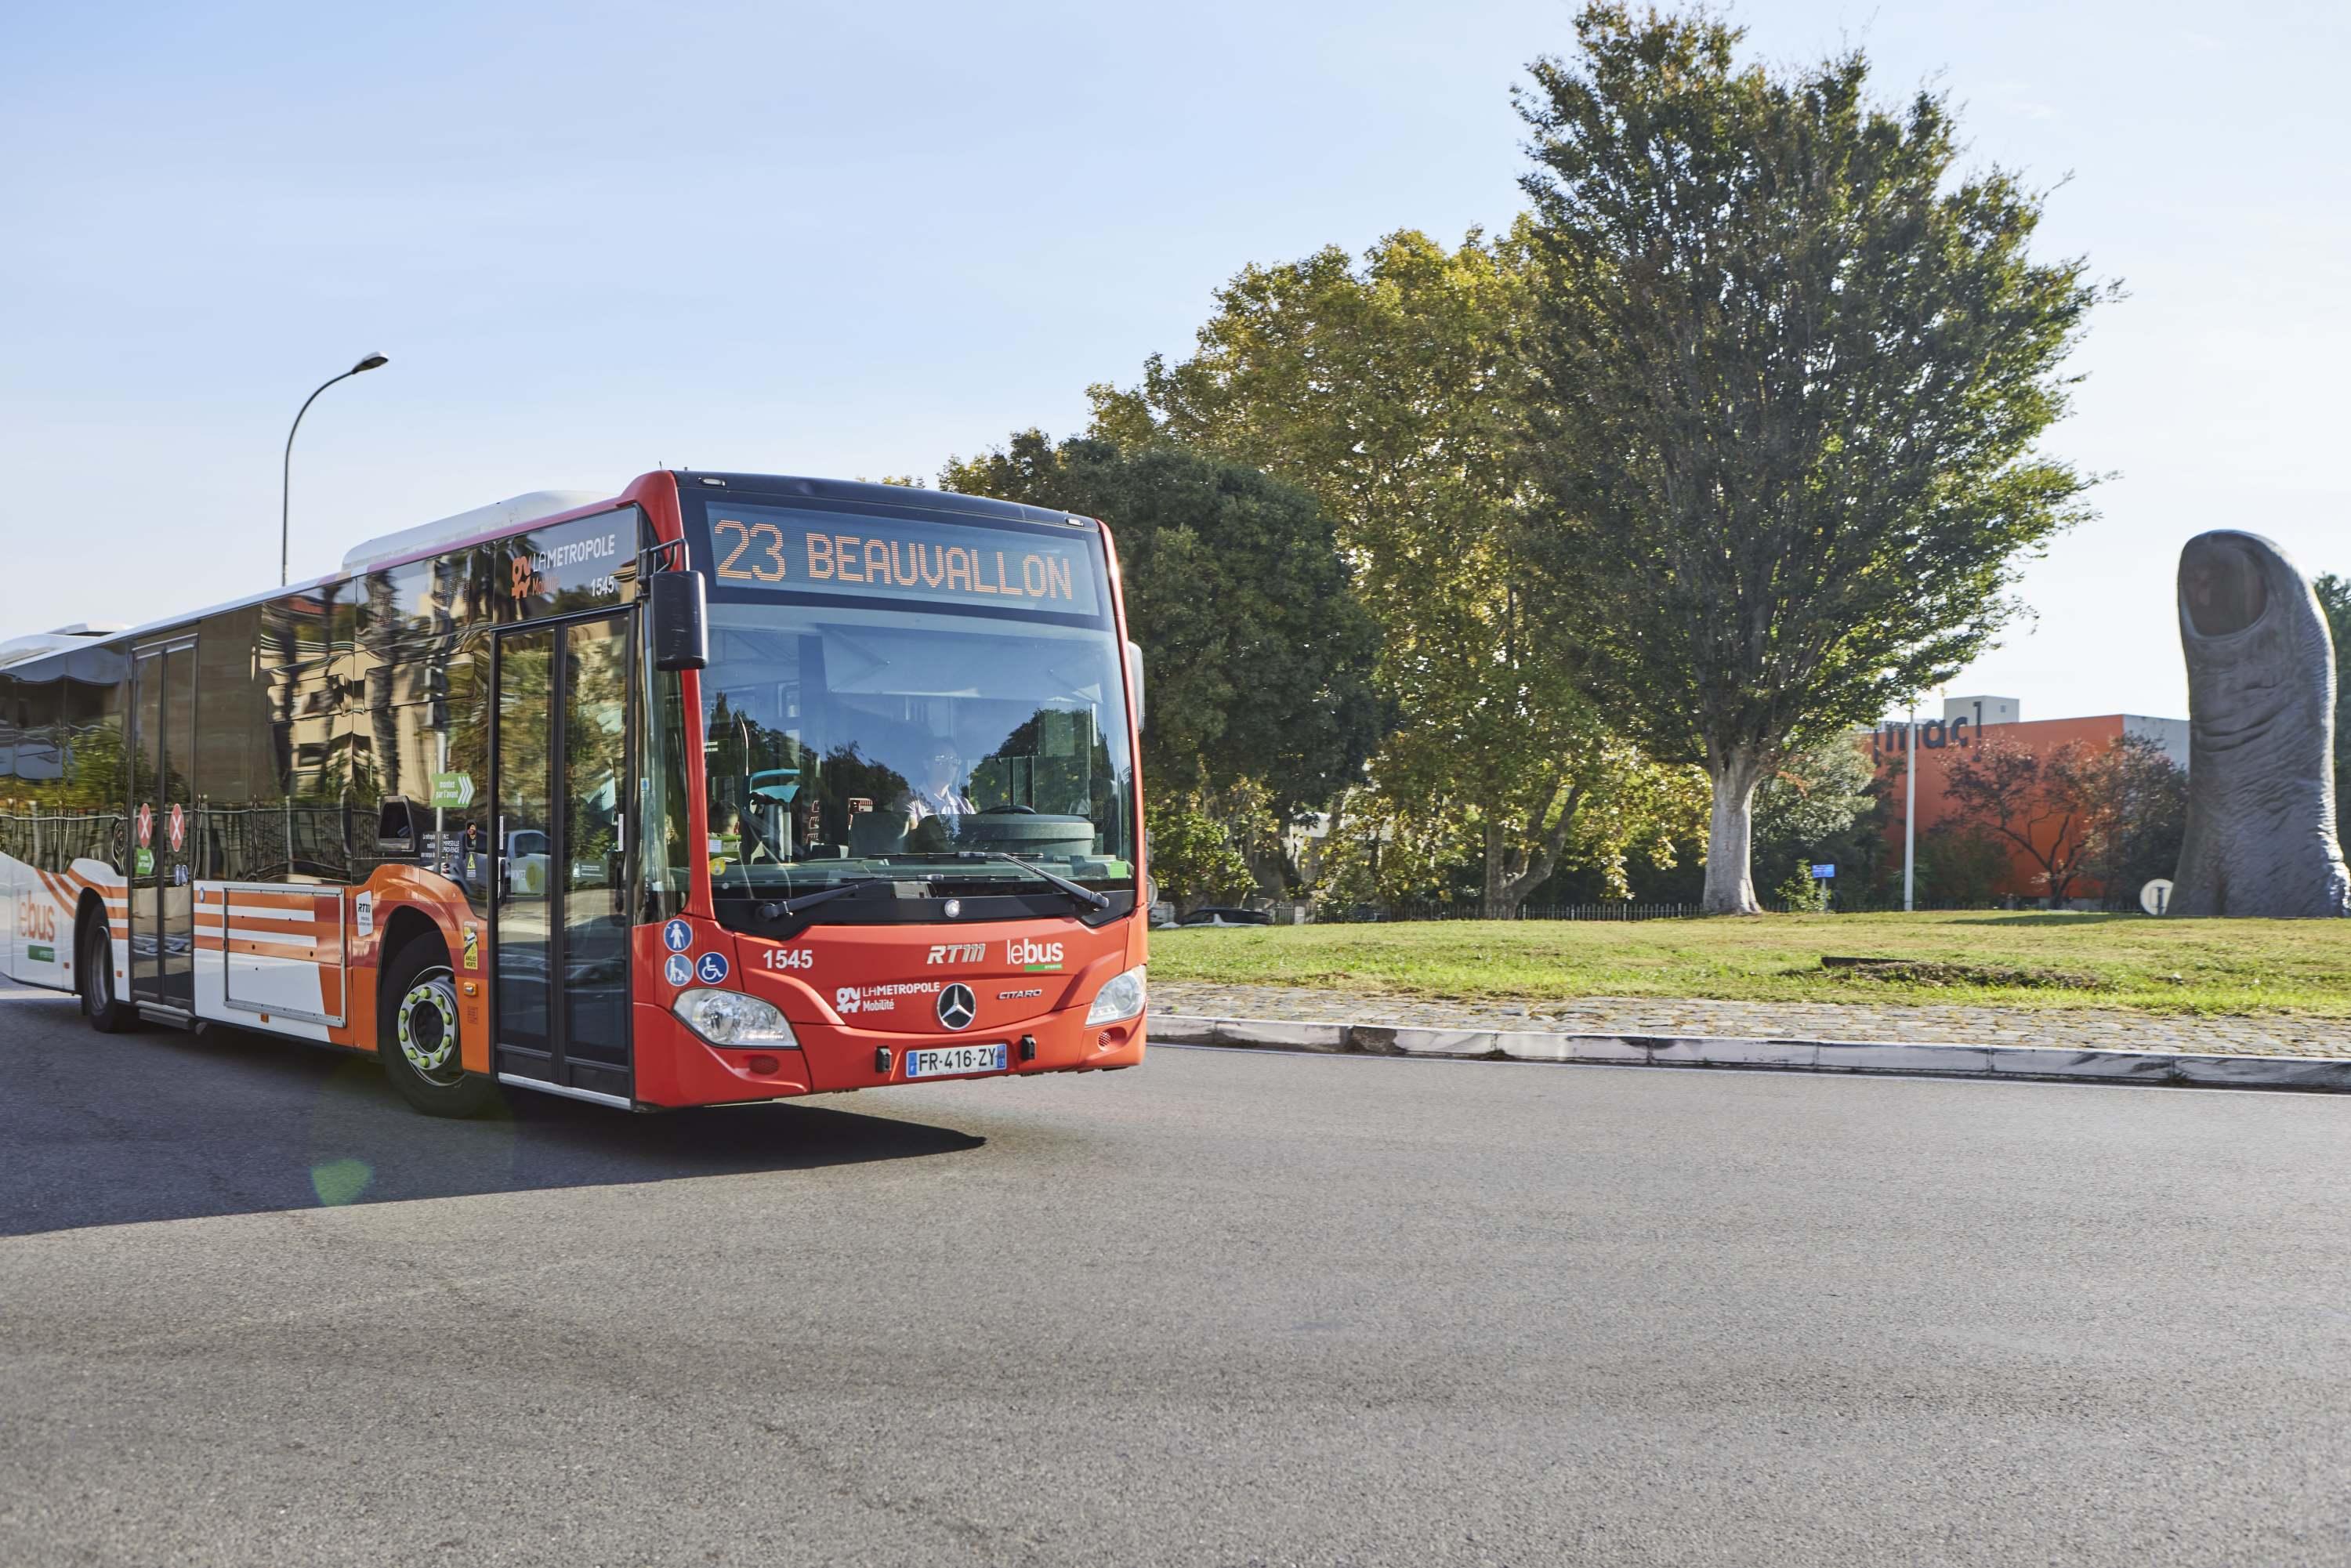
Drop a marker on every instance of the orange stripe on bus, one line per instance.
(293, 898)
(275, 950)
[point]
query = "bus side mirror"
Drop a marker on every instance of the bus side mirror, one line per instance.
(1134, 679)
(680, 626)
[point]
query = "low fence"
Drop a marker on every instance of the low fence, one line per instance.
(1632, 909)
(1609, 909)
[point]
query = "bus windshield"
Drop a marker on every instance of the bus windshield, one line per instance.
(845, 743)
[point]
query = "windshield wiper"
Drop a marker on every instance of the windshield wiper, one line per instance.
(792, 909)
(1079, 890)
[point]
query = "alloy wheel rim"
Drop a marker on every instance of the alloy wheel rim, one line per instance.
(427, 1028)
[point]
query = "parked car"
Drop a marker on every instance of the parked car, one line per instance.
(1213, 915)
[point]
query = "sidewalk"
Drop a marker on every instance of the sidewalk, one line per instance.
(2071, 1029)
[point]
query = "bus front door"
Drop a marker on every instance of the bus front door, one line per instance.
(162, 851)
(559, 921)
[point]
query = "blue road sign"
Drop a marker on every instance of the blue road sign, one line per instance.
(678, 935)
(1824, 873)
(710, 968)
(678, 970)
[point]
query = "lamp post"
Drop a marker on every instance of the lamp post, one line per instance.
(1911, 811)
(286, 479)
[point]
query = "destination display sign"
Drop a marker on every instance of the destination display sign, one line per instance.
(901, 558)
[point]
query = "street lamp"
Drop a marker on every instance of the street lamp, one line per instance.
(286, 479)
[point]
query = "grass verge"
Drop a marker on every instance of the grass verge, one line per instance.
(1977, 957)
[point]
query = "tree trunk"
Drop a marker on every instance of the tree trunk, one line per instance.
(1730, 834)
(1506, 891)
(1494, 902)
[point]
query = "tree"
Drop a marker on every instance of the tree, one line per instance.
(1791, 370)
(1960, 865)
(2335, 599)
(2137, 799)
(1807, 807)
(1193, 857)
(2033, 803)
(1390, 390)
(2114, 814)
(1259, 650)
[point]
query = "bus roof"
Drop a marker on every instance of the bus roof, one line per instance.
(515, 515)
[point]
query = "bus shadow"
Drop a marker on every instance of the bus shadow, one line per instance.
(160, 1125)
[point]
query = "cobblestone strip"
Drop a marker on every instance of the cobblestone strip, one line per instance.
(2071, 1029)
(2305, 1072)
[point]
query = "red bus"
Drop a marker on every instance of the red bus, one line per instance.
(729, 787)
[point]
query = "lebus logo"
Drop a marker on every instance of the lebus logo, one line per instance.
(1023, 954)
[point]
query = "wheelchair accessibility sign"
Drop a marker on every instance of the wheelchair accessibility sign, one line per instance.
(711, 969)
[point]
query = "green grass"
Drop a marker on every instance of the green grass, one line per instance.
(2026, 959)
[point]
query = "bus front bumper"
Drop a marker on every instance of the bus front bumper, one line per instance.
(676, 1067)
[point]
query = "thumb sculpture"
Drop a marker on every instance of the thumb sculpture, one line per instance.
(2261, 835)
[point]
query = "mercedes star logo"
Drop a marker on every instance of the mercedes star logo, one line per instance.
(957, 1006)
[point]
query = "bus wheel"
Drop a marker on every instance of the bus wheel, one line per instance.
(108, 1013)
(416, 1036)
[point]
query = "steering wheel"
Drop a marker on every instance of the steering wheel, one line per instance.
(1010, 810)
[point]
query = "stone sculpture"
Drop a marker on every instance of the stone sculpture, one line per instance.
(2261, 719)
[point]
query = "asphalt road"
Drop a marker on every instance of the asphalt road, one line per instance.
(1225, 1309)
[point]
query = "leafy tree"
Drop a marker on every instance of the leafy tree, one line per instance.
(2039, 805)
(1805, 810)
(1390, 390)
(1382, 852)
(1792, 367)
(2114, 814)
(2335, 599)
(1194, 859)
(2139, 815)
(1961, 866)
(1259, 651)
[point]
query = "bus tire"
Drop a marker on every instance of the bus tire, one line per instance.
(416, 1035)
(100, 1003)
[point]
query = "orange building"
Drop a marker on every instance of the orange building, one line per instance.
(1966, 722)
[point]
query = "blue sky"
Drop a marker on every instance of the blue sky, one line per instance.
(856, 240)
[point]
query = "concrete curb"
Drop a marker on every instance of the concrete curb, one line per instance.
(2330, 1074)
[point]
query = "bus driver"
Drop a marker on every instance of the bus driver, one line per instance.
(940, 794)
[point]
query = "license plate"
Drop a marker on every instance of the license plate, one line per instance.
(946, 1060)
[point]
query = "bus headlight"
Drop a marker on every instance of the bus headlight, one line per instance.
(733, 1019)
(1120, 999)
